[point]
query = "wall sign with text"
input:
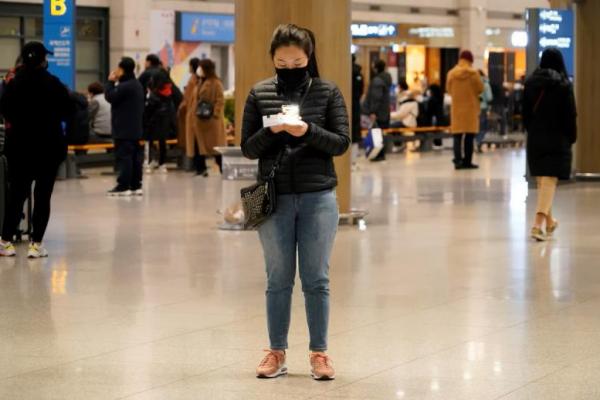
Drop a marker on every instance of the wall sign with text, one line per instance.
(200, 27)
(551, 28)
(59, 37)
(374, 30)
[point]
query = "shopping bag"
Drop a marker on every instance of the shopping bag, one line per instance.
(374, 143)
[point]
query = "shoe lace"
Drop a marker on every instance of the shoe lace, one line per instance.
(320, 360)
(271, 357)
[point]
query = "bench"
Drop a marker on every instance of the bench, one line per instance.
(424, 134)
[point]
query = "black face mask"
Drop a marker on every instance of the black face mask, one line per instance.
(292, 77)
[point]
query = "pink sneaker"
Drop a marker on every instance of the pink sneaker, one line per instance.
(321, 367)
(273, 365)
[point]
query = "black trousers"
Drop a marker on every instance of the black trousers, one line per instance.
(200, 161)
(130, 160)
(463, 140)
(162, 149)
(20, 182)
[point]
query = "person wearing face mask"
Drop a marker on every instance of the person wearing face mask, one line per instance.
(35, 104)
(304, 225)
(210, 130)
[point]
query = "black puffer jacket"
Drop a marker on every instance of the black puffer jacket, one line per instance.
(307, 165)
(550, 119)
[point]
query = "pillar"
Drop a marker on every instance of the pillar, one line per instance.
(473, 22)
(329, 20)
(587, 84)
(129, 31)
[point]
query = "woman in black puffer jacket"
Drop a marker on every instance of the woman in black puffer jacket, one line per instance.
(305, 222)
(550, 119)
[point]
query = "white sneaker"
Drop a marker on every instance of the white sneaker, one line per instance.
(36, 250)
(116, 192)
(163, 169)
(7, 249)
(138, 192)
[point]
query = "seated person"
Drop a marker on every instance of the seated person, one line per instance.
(100, 125)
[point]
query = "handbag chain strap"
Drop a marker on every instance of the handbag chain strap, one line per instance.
(277, 163)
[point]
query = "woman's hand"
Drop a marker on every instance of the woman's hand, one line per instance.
(277, 128)
(297, 130)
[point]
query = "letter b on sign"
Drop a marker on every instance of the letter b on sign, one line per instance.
(58, 7)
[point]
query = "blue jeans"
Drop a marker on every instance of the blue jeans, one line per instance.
(483, 127)
(303, 228)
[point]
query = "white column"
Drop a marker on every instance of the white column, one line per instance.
(473, 21)
(129, 31)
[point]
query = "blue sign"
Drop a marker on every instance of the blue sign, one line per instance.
(373, 30)
(59, 37)
(555, 29)
(197, 27)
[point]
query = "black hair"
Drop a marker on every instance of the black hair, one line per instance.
(403, 85)
(293, 35)
(153, 60)
(380, 66)
(195, 63)
(552, 58)
(209, 68)
(127, 64)
(436, 91)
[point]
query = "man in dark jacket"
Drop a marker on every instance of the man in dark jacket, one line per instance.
(377, 102)
(358, 87)
(126, 96)
(35, 104)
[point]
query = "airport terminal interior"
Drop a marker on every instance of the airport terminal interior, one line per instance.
(439, 288)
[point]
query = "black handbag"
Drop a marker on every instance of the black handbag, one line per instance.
(260, 200)
(205, 110)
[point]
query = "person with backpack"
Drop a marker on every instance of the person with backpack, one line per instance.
(159, 118)
(550, 118)
(36, 105)
(485, 101)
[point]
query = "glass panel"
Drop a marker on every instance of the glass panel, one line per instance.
(88, 55)
(9, 51)
(9, 26)
(88, 29)
(83, 79)
(34, 27)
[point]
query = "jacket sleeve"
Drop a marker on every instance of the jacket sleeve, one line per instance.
(256, 140)
(114, 94)
(571, 116)
(334, 139)
(374, 96)
(219, 99)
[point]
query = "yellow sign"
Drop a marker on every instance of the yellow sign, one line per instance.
(58, 8)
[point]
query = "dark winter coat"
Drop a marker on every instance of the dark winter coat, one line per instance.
(159, 116)
(127, 100)
(35, 104)
(358, 87)
(378, 97)
(78, 126)
(549, 115)
(307, 165)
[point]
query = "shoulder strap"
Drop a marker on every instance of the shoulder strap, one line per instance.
(539, 99)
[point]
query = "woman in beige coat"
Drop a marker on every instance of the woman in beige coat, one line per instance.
(210, 132)
(186, 115)
(464, 86)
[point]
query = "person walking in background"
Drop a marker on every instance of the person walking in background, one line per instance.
(152, 67)
(159, 118)
(465, 86)
(126, 96)
(35, 104)
(210, 129)
(377, 101)
(549, 115)
(304, 225)
(186, 113)
(358, 87)
(99, 108)
(485, 101)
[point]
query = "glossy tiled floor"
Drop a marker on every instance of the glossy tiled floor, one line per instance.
(442, 297)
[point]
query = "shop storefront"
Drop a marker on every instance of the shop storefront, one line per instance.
(20, 23)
